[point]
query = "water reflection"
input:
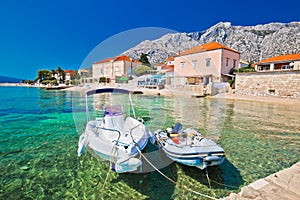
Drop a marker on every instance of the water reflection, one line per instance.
(54, 101)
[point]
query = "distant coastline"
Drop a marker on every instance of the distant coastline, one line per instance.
(7, 79)
(13, 84)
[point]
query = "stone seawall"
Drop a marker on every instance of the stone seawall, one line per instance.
(278, 186)
(269, 83)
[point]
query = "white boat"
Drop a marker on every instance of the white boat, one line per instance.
(115, 137)
(188, 147)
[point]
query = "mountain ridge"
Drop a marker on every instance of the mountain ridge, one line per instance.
(253, 42)
(8, 79)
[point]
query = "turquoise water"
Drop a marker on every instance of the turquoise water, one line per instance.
(38, 146)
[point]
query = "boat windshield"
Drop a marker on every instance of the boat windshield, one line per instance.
(113, 110)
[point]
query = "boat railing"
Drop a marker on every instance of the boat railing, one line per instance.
(133, 129)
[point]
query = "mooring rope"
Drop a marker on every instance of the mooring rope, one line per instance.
(110, 167)
(171, 180)
(208, 179)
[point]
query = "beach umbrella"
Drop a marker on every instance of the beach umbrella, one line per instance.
(123, 79)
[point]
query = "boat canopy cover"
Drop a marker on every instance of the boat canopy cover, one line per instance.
(107, 90)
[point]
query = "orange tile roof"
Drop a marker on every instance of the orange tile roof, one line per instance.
(122, 57)
(289, 57)
(206, 47)
(71, 72)
(170, 59)
(125, 58)
(117, 58)
(170, 70)
(104, 60)
(168, 67)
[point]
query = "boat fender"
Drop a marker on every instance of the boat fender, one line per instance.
(211, 158)
(151, 137)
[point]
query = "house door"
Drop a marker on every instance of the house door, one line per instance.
(206, 80)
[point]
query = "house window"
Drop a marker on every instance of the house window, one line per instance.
(234, 63)
(207, 62)
(182, 65)
(227, 62)
(194, 64)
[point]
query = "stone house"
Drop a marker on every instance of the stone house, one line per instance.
(83, 73)
(205, 63)
(276, 76)
(69, 75)
(278, 63)
(114, 68)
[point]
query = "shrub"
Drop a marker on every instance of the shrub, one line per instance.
(245, 69)
(102, 80)
(231, 82)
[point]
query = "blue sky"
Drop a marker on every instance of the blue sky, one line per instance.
(37, 34)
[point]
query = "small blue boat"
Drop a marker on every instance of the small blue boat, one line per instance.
(114, 136)
(188, 147)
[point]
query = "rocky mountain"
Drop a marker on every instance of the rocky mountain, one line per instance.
(253, 42)
(6, 79)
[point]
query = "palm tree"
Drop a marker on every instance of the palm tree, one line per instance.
(60, 74)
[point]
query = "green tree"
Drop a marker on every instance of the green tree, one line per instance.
(142, 69)
(59, 70)
(53, 71)
(61, 75)
(144, 59)
(29, 82)
(43, 74)
(76, 75)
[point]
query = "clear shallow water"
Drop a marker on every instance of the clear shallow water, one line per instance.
(38, 146)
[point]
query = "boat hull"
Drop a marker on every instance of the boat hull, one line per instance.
(196, 161)
(117, 147)
(194, 150)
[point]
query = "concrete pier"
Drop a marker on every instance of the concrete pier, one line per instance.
(284, 184)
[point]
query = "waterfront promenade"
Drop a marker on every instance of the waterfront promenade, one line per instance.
(278, 186)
